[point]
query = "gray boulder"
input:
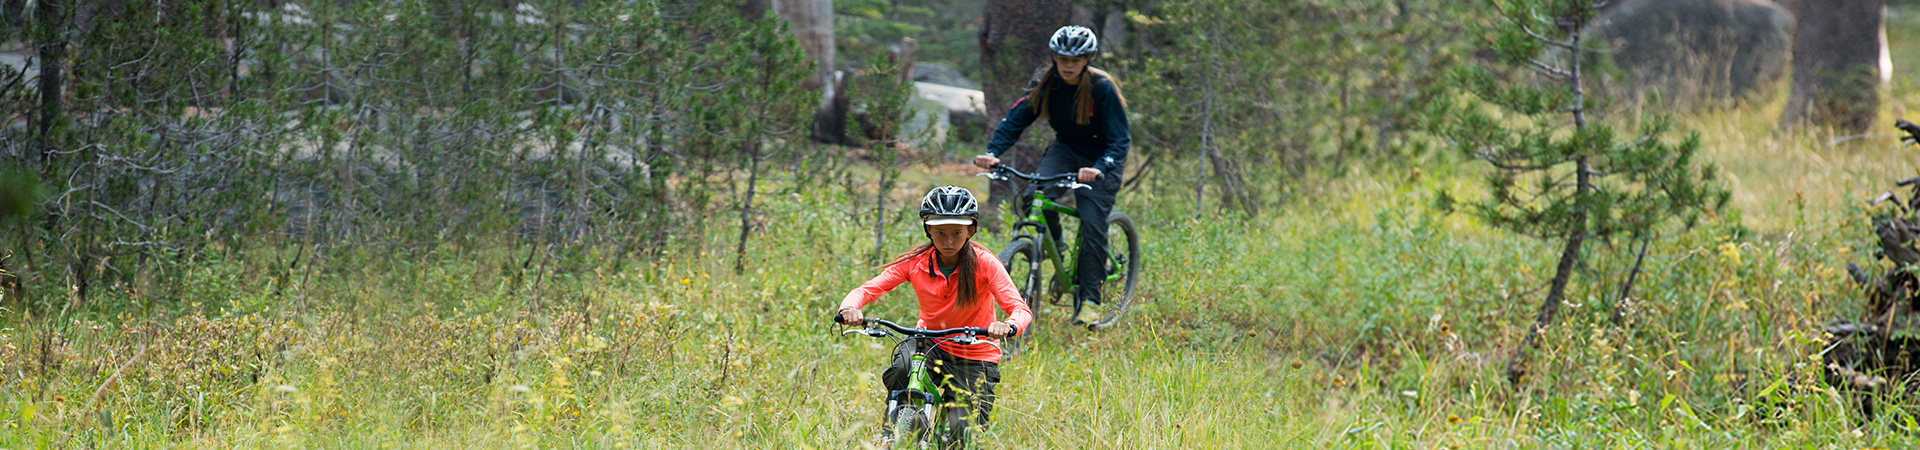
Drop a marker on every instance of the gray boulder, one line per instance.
(1697, 52)
(926, 124)
(20, 61)
(936, 73)
(964, 108)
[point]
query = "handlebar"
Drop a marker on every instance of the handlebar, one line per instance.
(918, 332)
(967, 335)
(1068, 178)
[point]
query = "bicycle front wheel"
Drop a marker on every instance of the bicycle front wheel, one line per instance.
(1123, 273)
(1021, 258)
(909, 428)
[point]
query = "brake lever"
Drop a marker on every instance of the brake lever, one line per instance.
(1913, 131)
(992, 176)
(1884, 196)
(970, 340)
(866, 331)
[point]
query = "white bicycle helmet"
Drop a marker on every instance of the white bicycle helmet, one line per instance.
(949, 205)
(1074, 40)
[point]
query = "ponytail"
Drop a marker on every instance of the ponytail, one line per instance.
(964, 280)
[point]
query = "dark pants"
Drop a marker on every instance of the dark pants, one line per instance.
(1093, 205)
(960, 380)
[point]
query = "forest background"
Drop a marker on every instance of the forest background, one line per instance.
(623, 223)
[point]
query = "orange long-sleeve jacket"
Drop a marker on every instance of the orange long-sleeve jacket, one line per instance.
(938, 295)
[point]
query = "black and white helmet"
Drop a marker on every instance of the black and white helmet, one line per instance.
(1074, 40)
(949, 205)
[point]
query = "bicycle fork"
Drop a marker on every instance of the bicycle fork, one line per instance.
(917, 381)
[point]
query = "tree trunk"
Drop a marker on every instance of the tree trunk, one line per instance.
(1206, 139)
(1013, 42)
(905, 53)
(1231, 184)
(753, 9)
(812, 22)
(13, 280)
(236, 43)
(752, 149)
(879, 217)
(1620, 306)
(1839, 64)
(1113, 32)
(1083, 16)
(11, 11)
(51, 55)
(1556, 292)
(830, 122)
(1569, 255)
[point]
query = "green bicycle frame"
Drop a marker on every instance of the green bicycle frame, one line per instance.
(921, 379)
(919, 385)
(1050, 249)
(1053, 250)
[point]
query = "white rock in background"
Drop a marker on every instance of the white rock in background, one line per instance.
(926, 124)
(933, 112)
(956, 99)
(936, 73)
(20, 61)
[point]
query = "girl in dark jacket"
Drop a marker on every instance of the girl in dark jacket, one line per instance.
(1089, 119)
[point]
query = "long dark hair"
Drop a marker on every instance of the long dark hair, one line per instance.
(1082, 98)
(962, 275)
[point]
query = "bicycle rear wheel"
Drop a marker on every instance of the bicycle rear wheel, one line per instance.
(1123, 273)
(1021, 258)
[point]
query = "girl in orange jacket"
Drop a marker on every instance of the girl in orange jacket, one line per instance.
(957, 282)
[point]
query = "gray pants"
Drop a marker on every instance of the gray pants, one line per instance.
(1093, 205)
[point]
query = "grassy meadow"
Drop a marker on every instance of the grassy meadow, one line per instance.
(1354, 316)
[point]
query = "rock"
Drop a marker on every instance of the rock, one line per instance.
(1697, 51)
(938, 109)
(926, 124)
(19, 61)
(958, 101)
(1840, 65)
(941, 74)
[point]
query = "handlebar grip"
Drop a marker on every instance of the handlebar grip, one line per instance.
(837, 318)
(1906, 126)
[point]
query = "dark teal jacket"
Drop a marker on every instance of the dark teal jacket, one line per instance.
(1103, 140)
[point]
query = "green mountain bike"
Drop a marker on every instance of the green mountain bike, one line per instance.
(1033, 255)
(909, 420)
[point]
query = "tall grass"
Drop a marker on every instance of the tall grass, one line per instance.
(1356, 316)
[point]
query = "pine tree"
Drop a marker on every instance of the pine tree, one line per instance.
(1558, 174)
(768, 67)
(884, 93)
(1237, 101)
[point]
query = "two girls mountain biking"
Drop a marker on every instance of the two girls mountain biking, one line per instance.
(958, 281)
